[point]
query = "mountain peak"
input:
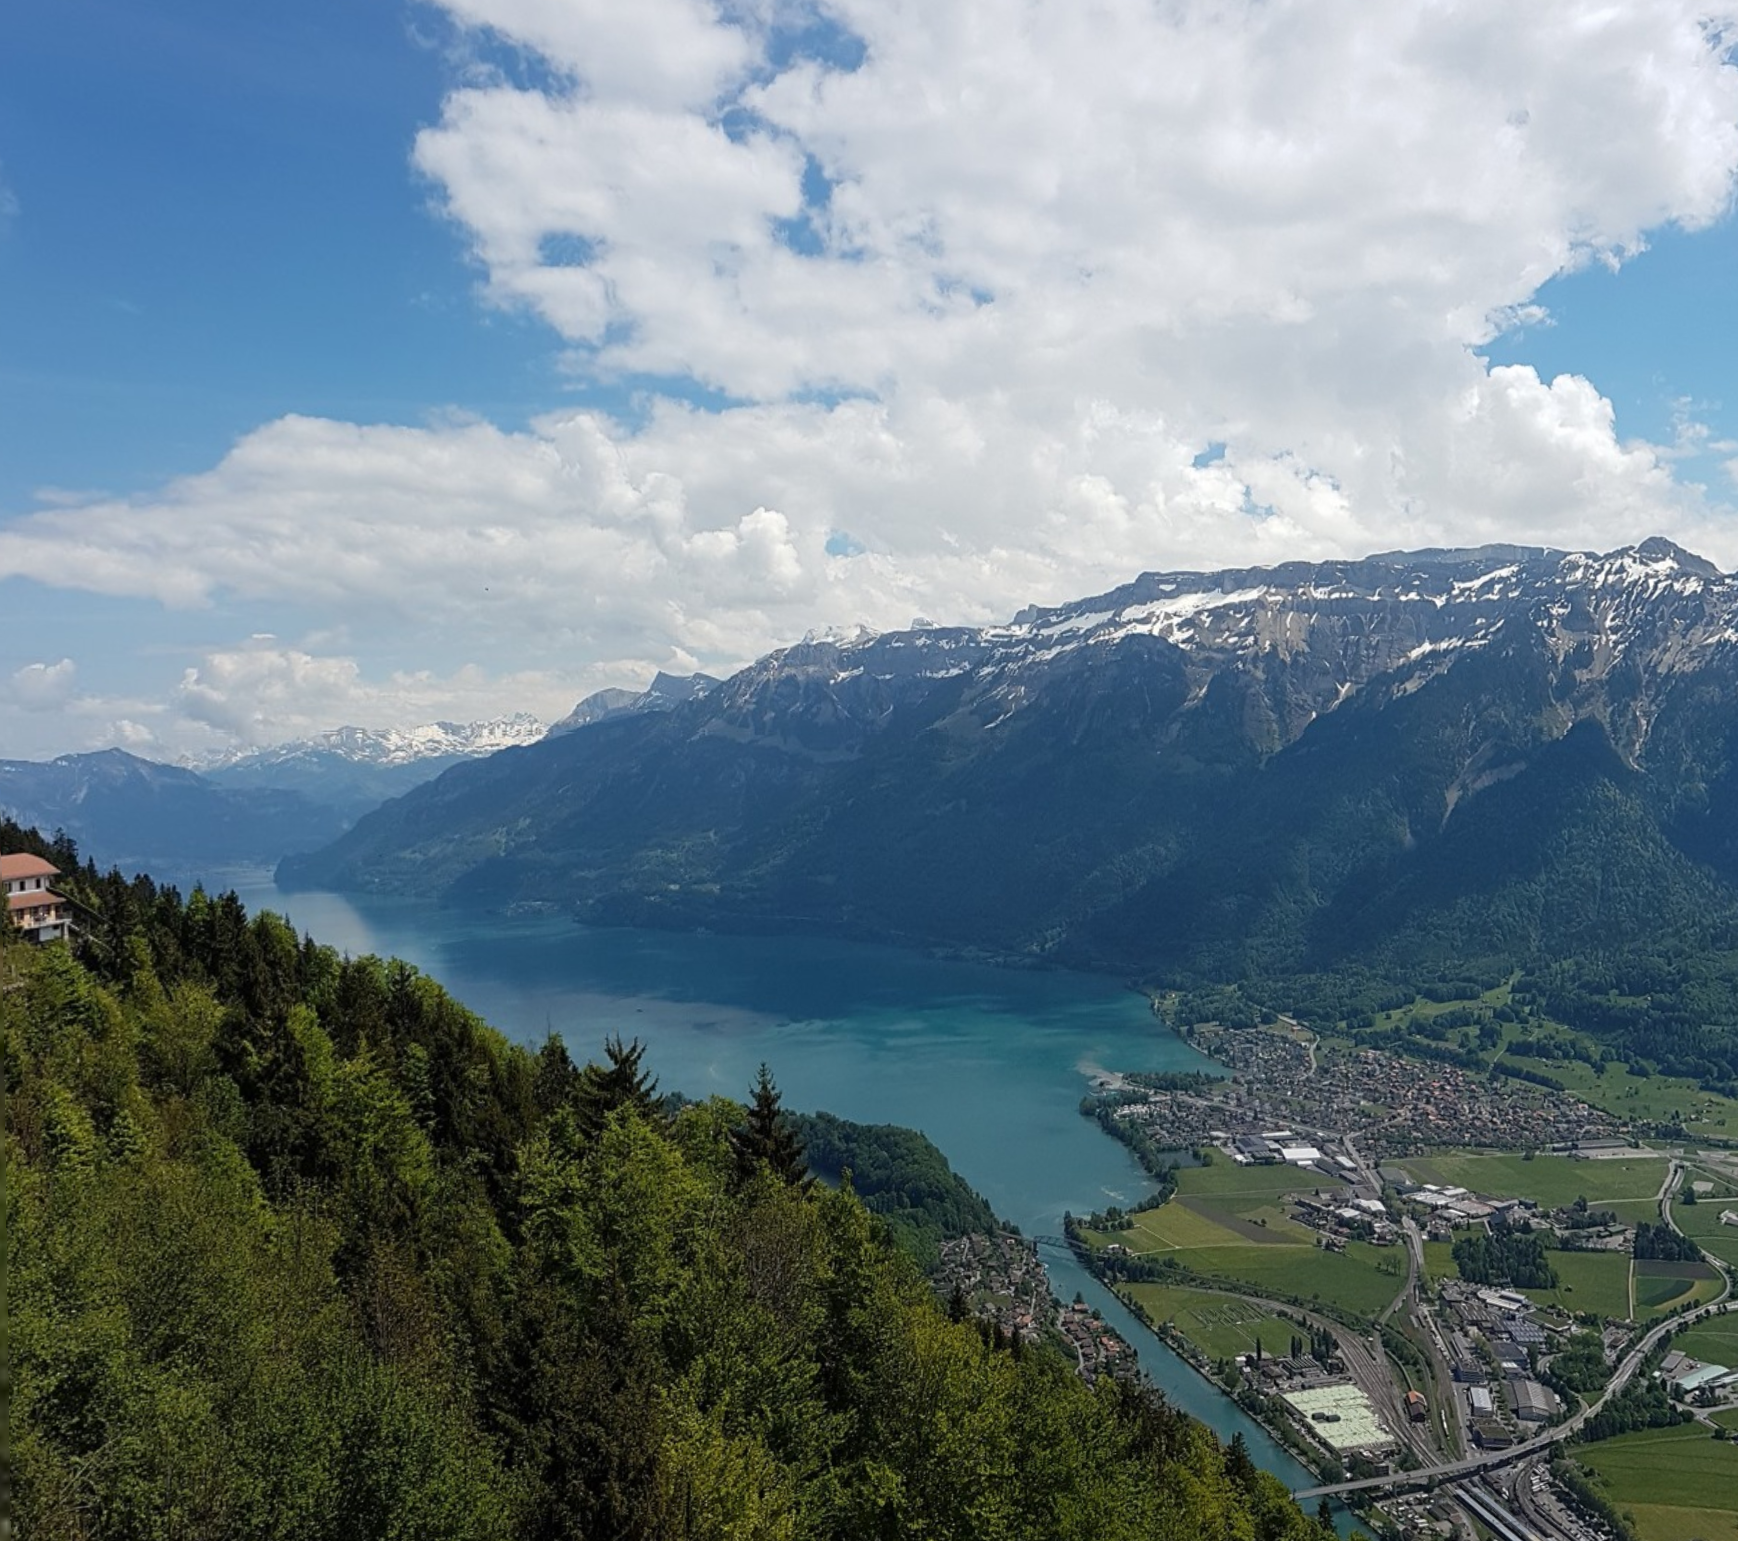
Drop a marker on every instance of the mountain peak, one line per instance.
(666, 692)
(1657, 549)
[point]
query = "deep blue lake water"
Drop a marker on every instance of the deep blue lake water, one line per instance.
(989, 1063)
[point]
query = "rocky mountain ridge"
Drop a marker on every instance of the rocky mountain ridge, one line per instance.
(666, 692)
(1265, 769)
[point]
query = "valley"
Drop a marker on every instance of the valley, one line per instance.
(1461, 1307)
(969, 1053)
(1379, 911)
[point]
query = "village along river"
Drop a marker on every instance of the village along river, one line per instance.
(989, 1063)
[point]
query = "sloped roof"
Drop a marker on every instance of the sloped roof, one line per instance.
(23, 865)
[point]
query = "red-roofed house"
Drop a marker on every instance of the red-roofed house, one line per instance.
(31, 905)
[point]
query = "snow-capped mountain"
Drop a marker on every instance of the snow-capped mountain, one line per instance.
(1265, 768)
(356, 769)
(394, 746)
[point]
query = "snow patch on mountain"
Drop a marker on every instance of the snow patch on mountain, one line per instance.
(393, 746)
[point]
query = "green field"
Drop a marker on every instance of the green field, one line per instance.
(1638, 1100)
(1439, 1260)
(1551, 1180)
(1351, 1279)
(1680, 1484)
(1241, 1190)
(1219, 1325)
(1644, 1100)
(1714, 1341)
(1228, 1221)
(1727, 1418)
(1661, 1295)
(1588, 1281)
(1702, 1221)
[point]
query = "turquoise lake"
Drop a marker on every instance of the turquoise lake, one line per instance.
(989, 1063)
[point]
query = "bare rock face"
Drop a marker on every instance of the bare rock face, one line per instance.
(1262, 769)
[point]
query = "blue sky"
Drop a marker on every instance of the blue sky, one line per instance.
(216, 224)
(372, 362)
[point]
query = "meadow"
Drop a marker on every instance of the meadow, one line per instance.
(1714, 1341)
(1221, 1326)
(1640, 1100)
(1627, 1183)
(1229, 1222)
(1680, 1484)
(1702, 1221)
(1588, 1281)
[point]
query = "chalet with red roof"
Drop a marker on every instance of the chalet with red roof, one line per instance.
(31, 905)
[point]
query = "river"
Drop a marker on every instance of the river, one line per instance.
(990, 1063)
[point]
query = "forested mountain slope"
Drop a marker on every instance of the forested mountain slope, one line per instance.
(1477, 760)
(298, 1247)
(137, 811)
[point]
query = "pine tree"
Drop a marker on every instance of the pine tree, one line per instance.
(766, 1138)
(1325, 1517)
(620, 1083)
(555, 1081)
(1239, 1465)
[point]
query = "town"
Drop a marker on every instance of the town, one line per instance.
(1000, 1280)
(1461, 1298)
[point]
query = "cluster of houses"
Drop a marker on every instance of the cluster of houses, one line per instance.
(1003, 1280)
(1100, 1349)
(32, 905)
(1392, 1104)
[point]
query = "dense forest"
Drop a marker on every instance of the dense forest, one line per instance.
(899, 1176)
(1663, 1242)
(299, 1247)
(1505, 1257)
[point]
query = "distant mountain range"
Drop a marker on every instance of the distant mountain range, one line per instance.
(355, 769)
(1435, 758)
(136, 813)
(249, 806)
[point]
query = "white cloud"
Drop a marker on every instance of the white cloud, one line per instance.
(41, 687)
(1053, 252)
(264, 693)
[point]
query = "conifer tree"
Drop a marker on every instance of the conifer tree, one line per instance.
(555, 1080)
(620, 1083)
(1239, 1465)
(957, 1308)
(765, 1138)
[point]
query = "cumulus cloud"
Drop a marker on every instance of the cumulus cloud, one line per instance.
(264, 693)
(980, 285)
(42, 687)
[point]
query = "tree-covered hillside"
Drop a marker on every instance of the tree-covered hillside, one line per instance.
(298, 1247)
